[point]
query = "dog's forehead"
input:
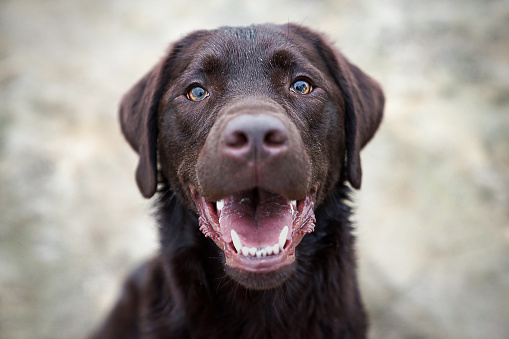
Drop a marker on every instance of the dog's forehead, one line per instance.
(261, 39)
(252, 46)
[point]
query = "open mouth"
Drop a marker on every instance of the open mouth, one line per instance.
(256, 229)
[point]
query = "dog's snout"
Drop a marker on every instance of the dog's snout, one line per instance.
(254, 146)
(259, 136)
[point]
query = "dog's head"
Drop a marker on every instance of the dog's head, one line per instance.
(252, 128)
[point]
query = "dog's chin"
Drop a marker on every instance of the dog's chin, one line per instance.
(261, 280)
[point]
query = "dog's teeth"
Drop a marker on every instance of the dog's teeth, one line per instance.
(236, 241)
(220, 204)
(261, 253)
(293, 205)
(275, 249)
(282, 237)
(257, 252)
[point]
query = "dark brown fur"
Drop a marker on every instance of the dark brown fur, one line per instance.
(185, 292)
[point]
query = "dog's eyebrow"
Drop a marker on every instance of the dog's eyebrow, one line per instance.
(281, 59)
(287, 61)
(211, 64)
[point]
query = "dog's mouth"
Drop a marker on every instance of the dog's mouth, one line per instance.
(257, 230)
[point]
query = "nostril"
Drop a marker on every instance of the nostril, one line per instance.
(237, 139)
(275, 138)
(257, 137)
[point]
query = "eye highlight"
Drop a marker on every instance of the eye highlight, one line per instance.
(197, 93)
(301, 87)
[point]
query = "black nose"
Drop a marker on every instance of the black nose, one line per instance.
(254, 137)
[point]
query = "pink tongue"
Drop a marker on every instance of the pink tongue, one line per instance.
(258, 217)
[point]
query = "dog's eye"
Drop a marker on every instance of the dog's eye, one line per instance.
(301, 87)
(197, 93)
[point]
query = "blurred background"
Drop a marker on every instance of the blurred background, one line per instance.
(432, 215)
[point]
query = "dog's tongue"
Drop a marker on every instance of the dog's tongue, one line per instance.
(257, 216)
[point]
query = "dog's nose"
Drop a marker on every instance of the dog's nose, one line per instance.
(255, 136)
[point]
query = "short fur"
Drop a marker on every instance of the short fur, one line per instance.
(184, 292)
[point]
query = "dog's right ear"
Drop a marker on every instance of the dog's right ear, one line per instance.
(138, 120)
(138, 114)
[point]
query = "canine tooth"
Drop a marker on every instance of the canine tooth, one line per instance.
(236, 241)
(268, 249)
(220, 204)
(245, 251)
(252, 251)
(275, 249)
(293, 205)
(282, 237)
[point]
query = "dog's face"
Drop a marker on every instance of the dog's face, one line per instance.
(253, 128)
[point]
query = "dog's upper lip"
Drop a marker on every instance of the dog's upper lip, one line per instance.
(256, 236)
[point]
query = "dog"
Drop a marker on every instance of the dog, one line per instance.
(250, 138)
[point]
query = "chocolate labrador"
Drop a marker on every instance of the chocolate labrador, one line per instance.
(248, 136)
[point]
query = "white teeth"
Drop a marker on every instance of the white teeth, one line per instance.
(236, 241)
(220, 204)
(260, 252)
(293, 206)
(275, 249)
(282, 237)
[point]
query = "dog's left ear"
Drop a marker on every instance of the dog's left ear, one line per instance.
(362, 96)
(364, 106)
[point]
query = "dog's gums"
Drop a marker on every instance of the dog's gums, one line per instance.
(257, 230)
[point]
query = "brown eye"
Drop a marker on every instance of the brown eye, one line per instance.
(197, 93)
(301, 87)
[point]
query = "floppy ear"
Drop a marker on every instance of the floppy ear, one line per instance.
(364, 105)
(138, 120)
(363, 99)
(138, 114)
